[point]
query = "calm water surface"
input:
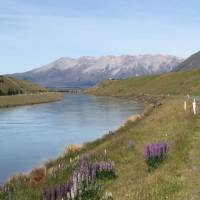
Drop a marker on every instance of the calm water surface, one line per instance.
(31, 134)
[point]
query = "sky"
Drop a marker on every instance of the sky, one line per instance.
(36, 32)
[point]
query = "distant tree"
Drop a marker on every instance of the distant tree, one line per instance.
(10, 91)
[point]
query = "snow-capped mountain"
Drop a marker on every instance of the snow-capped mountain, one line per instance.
(87, 71)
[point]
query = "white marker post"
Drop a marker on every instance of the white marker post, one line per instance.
(185, 106)
(188, 96)
(194, 106)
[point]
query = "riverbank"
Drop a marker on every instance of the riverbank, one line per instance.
(29, 99)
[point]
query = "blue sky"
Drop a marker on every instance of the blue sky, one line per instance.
(36, 32)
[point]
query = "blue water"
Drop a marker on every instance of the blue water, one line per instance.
(30, 135)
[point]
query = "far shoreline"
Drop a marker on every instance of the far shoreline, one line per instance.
(29, 99)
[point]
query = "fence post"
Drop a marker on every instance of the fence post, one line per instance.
(194, 105)
(185, 106)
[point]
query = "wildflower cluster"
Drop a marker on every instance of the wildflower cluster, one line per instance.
(82, 184)
(155, 154)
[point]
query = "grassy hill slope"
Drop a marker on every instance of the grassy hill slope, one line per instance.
(180, 83)
(12, 86)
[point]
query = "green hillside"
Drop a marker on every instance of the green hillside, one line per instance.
(179, 83)
(12, 86)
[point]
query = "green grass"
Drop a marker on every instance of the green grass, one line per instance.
(177, 178)
(180, 83)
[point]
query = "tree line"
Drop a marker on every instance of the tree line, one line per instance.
(10, 92)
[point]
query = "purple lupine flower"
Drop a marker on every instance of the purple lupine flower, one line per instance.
(68, 186)
(85, 172)
(104, 166)
(147, 152)
(63, 191)
(155, 153)
(162, 151)
(159, 145)
(46, 194)
(55, 193)
(93, 173)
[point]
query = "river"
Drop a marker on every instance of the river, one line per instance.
(30, 135)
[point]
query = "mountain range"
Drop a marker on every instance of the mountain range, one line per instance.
(87, 71)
